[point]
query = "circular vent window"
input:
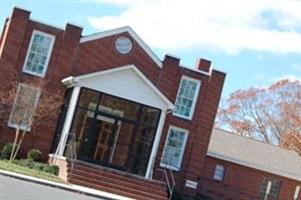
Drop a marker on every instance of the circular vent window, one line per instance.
(123, 45)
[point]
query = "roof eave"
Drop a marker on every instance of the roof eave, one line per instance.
(255, 166)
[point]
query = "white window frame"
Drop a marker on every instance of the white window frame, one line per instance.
(269, 188)
(182, 150)
(194, 99)
(12, 125)
(215, 176)
(52, 37)
(297, 190)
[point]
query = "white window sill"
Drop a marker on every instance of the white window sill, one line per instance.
(15, 126)
(33, 73)
(182, 116)
(169, 167)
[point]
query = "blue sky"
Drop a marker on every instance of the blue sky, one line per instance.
(256, 42)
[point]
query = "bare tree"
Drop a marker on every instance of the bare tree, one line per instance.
(7, 92)
(28, 105)
(263, 113)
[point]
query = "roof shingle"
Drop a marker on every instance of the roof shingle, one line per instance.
(255, 154)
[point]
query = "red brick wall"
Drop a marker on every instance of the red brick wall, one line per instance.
(100, 55)
(14, 48)
(240, 182)
(71, 58)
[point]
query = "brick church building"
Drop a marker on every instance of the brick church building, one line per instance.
(128, 122)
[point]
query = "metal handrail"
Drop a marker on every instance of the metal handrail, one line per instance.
(71, 154)
(173, 183)
(170, 184)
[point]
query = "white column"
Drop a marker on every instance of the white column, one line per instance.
(68, 121)
(156, 144)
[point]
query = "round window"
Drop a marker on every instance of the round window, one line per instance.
(123, 45)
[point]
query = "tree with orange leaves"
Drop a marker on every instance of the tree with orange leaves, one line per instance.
(265, 114)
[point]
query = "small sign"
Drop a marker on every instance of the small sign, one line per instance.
(191, 184)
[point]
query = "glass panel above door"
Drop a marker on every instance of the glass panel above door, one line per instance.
(119, 107)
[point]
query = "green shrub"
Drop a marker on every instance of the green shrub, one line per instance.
(52, 169)
(34, 154)
(6, 151)
(39, 166)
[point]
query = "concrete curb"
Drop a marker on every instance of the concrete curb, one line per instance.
(68, 187)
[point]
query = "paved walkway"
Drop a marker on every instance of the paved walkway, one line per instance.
(15, 186)
(16, 189)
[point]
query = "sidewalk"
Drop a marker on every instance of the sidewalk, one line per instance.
(69, 187)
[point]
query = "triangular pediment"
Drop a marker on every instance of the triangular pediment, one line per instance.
(127, 82)
(132, 33)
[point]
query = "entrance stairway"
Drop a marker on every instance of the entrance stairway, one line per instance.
(116, 182)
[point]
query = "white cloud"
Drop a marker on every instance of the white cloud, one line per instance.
(230, 26)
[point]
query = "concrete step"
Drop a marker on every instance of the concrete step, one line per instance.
(129, 185)
(122, 176)
(118, 188)
(117, 182)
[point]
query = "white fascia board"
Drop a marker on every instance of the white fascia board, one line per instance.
(255, 166)
(171, 55)
(75, 24)
(197, 71)
(169, 104)
(128, 29)
(218, 70)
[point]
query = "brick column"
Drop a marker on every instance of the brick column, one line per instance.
(12, 40)
(202, 132)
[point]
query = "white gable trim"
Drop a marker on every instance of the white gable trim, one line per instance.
(128, 29)
(74, 80)
(255, 166)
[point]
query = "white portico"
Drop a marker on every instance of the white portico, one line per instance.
(117, 116)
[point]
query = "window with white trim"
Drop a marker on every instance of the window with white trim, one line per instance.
(187, 97)
(24, 107)
(174, 148)
(269, 189)
(219, 173)
(38, 53)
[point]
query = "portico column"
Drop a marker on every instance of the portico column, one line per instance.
(68, 121)
(155, 145)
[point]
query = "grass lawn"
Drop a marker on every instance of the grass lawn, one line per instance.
(5, 165)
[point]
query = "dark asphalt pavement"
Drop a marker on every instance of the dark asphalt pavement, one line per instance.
(15, 189)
